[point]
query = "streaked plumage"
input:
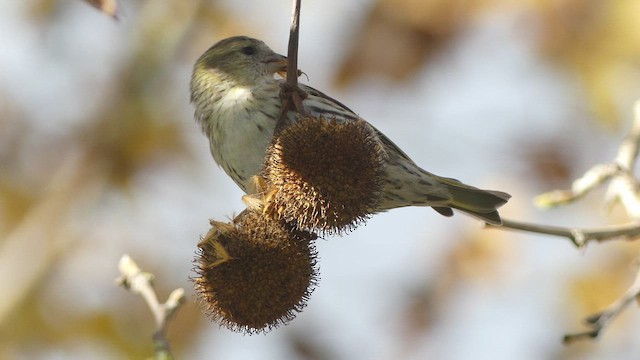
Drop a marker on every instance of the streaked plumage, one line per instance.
(237, 105)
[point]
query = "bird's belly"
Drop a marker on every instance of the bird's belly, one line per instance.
(241, 148)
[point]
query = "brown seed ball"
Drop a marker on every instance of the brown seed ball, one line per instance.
(256, 273)
(324, 175)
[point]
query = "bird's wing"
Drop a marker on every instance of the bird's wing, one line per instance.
(320, 104)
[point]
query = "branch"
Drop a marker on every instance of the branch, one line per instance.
(291, 94)
(141, 283)
(578, 236)
(292, 50)
(628, 149)
(623, 186)
(597, 322)
(591, 179)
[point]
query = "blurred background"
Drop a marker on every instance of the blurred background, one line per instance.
(100, 156)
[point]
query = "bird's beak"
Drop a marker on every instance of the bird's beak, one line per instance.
(276, 63)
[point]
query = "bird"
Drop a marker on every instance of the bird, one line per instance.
(236, 95)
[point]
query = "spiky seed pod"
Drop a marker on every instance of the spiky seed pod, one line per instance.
(324, 175)
(255, 273)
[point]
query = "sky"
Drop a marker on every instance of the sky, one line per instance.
(468, 115)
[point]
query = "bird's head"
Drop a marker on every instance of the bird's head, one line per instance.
(240, 59)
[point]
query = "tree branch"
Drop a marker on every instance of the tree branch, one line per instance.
(591, 179)
(141, 283)
(600, 320)
(578, 236)
(623, 186)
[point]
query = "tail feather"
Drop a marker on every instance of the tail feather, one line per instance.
(482, 204)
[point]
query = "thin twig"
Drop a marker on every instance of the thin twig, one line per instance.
(290, 94)
(141, 283)
(292, 50)
(597, 322)
(594, 177)
(628, 149)
(623, 186)
(578, 236)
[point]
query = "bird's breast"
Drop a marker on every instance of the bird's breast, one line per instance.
(243, 125)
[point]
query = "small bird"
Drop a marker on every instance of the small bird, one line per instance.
(237, 104)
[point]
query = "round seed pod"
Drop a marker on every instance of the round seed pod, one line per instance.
(255, 273)
(324, 175)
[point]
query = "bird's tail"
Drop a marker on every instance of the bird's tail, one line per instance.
(482, 204)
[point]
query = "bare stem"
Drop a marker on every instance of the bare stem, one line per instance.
(623, 186)
(290, 94)
(578, 236)
(292, 51)
(628, 149)
(580, 187)
(134, 279)
(597, 322)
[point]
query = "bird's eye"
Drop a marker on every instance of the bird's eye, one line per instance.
(248, 50)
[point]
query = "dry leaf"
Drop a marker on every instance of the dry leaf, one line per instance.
(109, 7)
